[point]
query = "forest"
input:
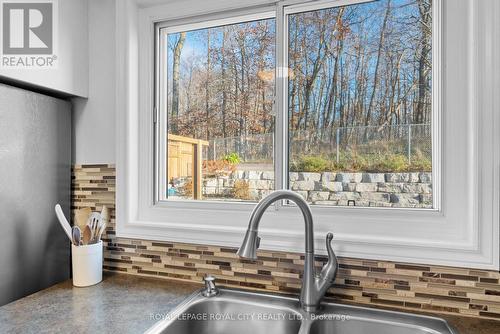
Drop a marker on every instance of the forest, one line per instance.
(365, 67)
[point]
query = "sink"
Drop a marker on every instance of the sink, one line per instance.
(372, 321)
(230, 312)
(243, 312)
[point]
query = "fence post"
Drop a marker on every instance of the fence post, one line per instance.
(338, 139)
(215, 143)
(198, 167)
(409, 144)
(274, 148)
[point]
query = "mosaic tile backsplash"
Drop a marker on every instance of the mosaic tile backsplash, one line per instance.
(422, 287)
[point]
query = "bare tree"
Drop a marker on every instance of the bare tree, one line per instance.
(176, 73)
(207, 87)
(424, 7)
(377, 65)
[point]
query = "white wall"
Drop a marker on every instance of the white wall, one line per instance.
(94, 118)
(71, 75)
(181, 8)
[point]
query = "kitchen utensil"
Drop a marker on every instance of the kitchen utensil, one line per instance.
(76, 234)
(87, 235)
(94, 222)
(81, 217)
(102, 228)
(105, 214)
(63, 221)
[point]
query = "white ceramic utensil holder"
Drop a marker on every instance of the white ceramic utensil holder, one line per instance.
(87, 264)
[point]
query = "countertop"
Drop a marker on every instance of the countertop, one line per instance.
(127, 304)
(119, 304)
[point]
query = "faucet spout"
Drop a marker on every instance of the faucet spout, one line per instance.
(250, 243)
(313, 287)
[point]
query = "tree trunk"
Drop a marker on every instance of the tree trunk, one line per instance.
(175, 78)
(424, 8)
(379, 53)
(207, 88)
(223, 79)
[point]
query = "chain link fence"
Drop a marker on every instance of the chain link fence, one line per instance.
(338, 143)
(250, 149)
(344, 142)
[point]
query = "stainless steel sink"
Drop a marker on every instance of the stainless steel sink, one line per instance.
(241, 312)
(366, 320)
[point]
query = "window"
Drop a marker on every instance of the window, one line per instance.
(360, 104)
(461, 229)
(218, 103)
(359, 107)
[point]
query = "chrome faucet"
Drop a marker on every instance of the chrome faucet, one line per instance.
(210, 288)
(314, 286)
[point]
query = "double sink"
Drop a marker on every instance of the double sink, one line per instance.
(241, 312)
(237, 312)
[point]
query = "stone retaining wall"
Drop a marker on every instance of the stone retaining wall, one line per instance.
(328, 188)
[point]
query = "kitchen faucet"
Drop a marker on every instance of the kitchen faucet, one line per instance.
(314, 286)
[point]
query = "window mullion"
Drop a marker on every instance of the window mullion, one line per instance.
(281, 124)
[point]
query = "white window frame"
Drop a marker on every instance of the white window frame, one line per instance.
(462, 231)
(172, 27)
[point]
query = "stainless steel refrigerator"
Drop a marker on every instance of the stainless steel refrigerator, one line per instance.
(35, 174)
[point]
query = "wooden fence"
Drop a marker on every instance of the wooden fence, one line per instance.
(185, 160)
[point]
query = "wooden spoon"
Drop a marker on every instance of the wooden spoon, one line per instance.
(81, 217)
(87, 235)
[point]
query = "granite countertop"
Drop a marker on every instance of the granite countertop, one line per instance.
(119, 304)
(127, 304)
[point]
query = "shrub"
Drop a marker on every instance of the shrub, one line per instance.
(310, 164)
(389, 163)
(232, 158)
(420, 162)
(186, 190)
(382, 162)
(241, 190)
(217, 167)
